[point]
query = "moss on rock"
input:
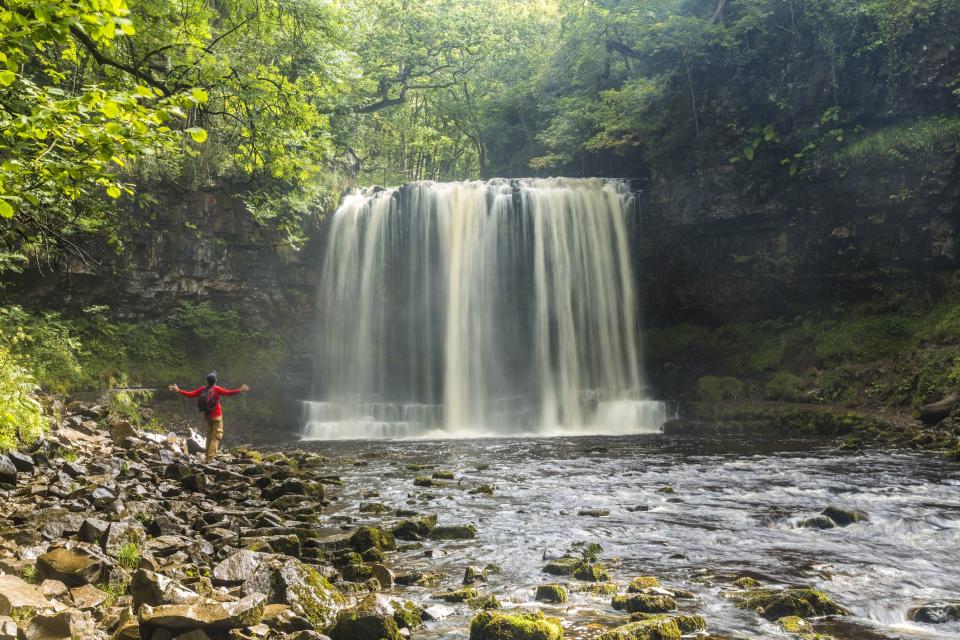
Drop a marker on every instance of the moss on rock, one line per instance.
(491, 625)
(643, 582)
(366, 537)
(774, 604)
(656, 628)
(459, 595)
(551, 593)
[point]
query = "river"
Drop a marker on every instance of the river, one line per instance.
(731, 510)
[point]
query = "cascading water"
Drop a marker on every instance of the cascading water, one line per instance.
(480, 308)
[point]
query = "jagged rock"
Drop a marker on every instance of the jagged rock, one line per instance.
(17, 595)
(494, 625)
(935, 613)
(371, 619)
(289, 581)
(196, 443)
(101, 497)
(8, 472)
(70, 567)
(154, 589)
(238, 567)
(21, 461)
(205, 613)
(87, 597)
(126, 531)
(120, 430)
(53, 588)
(93, 530)
(282, 618)
(65, 625)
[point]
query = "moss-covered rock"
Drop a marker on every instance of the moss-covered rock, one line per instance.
(407, 614)
(797, 626)
(366, 537)
(492, 625)
(656, 628)
(817, 522)
(459, 595)
(551, 593)
(564, 566)
(484, 602)
(372, 619)
(598, 588)
(454, 532)
(643, 582)
(649, 603)
(746, 582)
(774, 604)
(442, 475)
(592, 572)
(415, 528)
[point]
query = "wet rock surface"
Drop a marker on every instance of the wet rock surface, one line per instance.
(107, 537)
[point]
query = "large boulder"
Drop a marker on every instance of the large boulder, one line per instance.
(205, 613)
(238, 568)
(495, 625)
(69, 566)
(366, 537)
(371, 619)
(17, 596)
(22, 461)
(291, 582)
(931, 414)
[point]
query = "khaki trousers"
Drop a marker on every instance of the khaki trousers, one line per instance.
(214, 436)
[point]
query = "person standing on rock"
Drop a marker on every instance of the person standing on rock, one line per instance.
(208, 401)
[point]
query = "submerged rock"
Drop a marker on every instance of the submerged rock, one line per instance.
(491, 625)
(454, 532)
(844, 517)
(935, 613)
(817, 522)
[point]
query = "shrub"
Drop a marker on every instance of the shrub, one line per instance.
(715, 389)
(21, 416)
(784, 386)
(128, 556)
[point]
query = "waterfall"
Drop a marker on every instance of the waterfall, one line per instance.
(478, 308)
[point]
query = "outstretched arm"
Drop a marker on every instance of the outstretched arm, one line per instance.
(232, 392)
(189, 394)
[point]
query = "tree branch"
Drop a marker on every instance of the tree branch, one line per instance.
(105, 60)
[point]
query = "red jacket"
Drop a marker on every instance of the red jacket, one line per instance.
(218, 392)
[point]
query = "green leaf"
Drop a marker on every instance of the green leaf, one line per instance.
(7, 78)
(6, 211)
(199, 94)
(199, 135)
(748, 153)
(113, 191)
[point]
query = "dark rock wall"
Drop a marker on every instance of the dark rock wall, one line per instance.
(712, 250)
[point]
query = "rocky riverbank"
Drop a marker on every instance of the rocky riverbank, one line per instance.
(111, 532)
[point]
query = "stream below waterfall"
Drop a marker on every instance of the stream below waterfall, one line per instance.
(733, 512)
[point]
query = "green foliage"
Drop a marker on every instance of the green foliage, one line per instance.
(715, 389)
(21, 416)
(899, 144)
(784, 386)
(128, 556)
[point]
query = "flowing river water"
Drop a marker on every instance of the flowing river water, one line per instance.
(731, 511)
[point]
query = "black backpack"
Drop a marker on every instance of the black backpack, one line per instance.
(207, 400)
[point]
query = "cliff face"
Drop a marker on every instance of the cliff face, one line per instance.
(713, 249)
(193, 245)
